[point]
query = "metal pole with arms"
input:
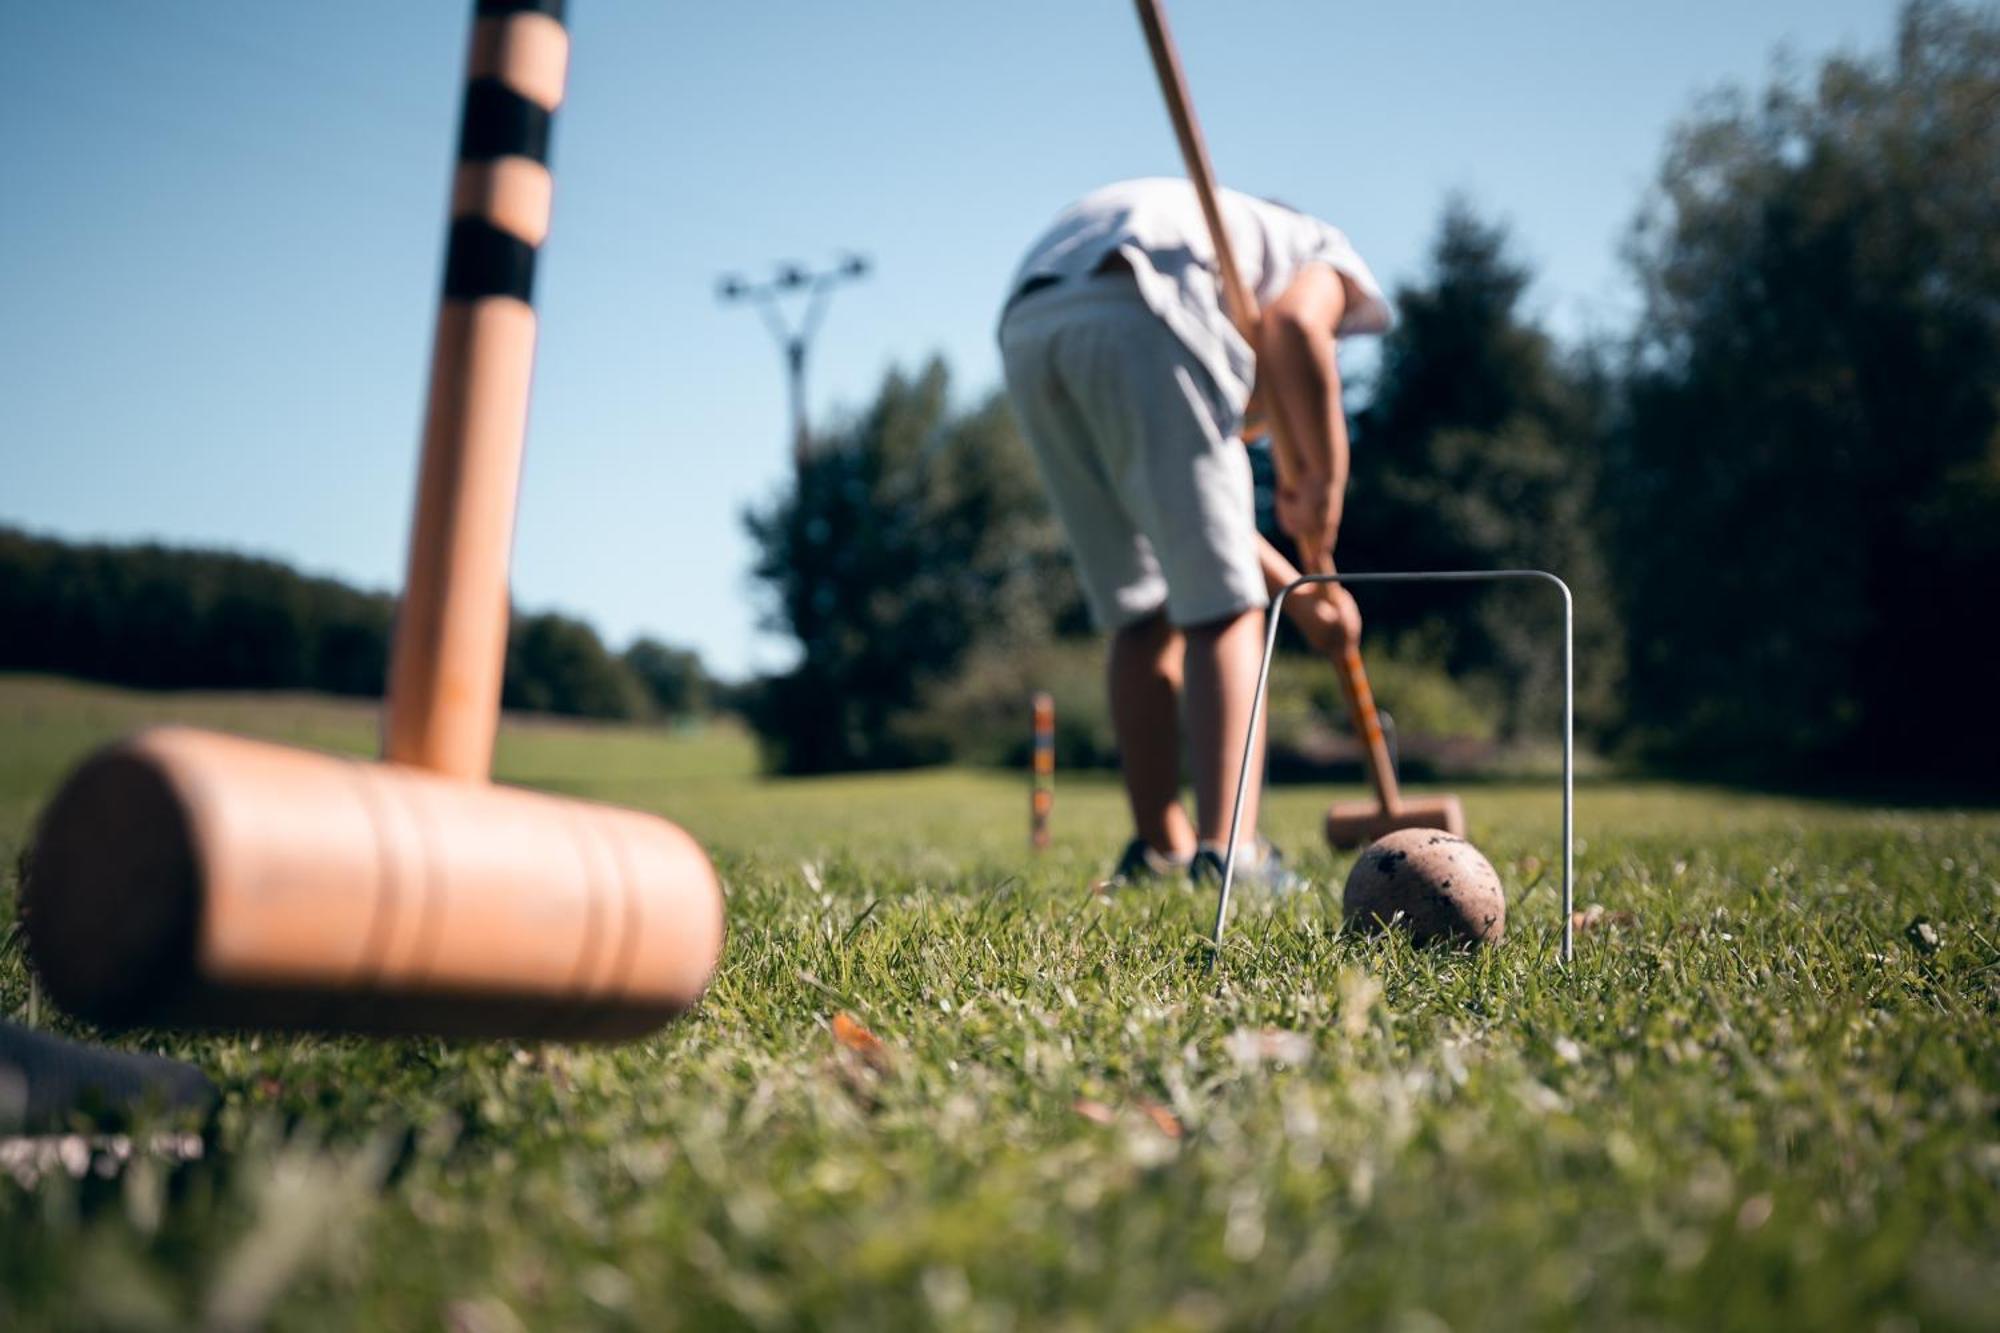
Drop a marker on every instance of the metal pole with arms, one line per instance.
(794, 341)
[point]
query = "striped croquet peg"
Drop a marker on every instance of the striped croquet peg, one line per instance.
(1042, 794)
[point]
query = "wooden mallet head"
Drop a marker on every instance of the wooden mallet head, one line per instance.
(191, 879)
(1351, 824)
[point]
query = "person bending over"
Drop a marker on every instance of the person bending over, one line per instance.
(1133, 388)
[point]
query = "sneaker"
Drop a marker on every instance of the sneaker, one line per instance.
(1259, 865)
(1140, 864)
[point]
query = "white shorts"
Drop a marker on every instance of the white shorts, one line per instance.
(1152, 489)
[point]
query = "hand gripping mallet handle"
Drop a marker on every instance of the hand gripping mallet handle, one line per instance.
(1353, 676)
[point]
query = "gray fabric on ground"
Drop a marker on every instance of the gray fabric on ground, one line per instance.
(46, 1080)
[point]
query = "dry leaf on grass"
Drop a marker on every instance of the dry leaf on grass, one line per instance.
(1097, 1113)
(1158, 1116)
(1163, 1120)
(1594, 917)
(850, 1035)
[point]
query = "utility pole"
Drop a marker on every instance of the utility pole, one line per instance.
(794, 340)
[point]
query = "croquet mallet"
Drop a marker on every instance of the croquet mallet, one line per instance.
(187, 878)
(1349, 824)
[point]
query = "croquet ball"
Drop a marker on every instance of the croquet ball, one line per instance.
(1430, 883)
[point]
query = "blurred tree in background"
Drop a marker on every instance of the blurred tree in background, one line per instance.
(161, 618)
(1478, 449)
(1806, 482)
(154, 616)
(915, 537)
(1779, 507)
(674, 678)
(556, 664)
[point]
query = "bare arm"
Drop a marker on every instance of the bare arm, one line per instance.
(1300, 380)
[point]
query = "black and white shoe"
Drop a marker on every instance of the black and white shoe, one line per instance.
(1140, 864)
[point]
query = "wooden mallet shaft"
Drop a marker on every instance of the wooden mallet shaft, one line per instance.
(1390, 810)
(1238, 302)
(1353, 677)
(1351, 824)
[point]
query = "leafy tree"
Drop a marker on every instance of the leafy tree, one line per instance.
(1807, 483)
(154, 616)
(559, 665)
(674, 679)
(163, 618)
(914, 536)
(1478, 448)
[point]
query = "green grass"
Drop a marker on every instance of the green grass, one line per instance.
(1758, 1103)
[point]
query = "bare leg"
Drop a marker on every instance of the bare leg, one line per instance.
(1144, 676)
(1222, 658)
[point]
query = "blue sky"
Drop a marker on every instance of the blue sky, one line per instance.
(221, 227)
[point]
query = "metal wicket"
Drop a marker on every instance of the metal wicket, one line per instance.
(1567, 949)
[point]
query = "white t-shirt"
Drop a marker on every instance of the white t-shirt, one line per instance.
(1156, 223)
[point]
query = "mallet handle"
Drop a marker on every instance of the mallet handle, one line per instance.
(443, 705)
(1242, 308)
(1352, 675)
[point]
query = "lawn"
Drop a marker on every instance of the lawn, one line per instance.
(1766, 1095)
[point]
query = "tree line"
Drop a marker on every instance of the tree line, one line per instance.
(1777, 497)
(160, 617)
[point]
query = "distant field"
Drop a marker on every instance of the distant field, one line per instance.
(1761, 1100)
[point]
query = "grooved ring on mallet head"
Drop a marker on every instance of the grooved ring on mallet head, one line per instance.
(187, 878)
